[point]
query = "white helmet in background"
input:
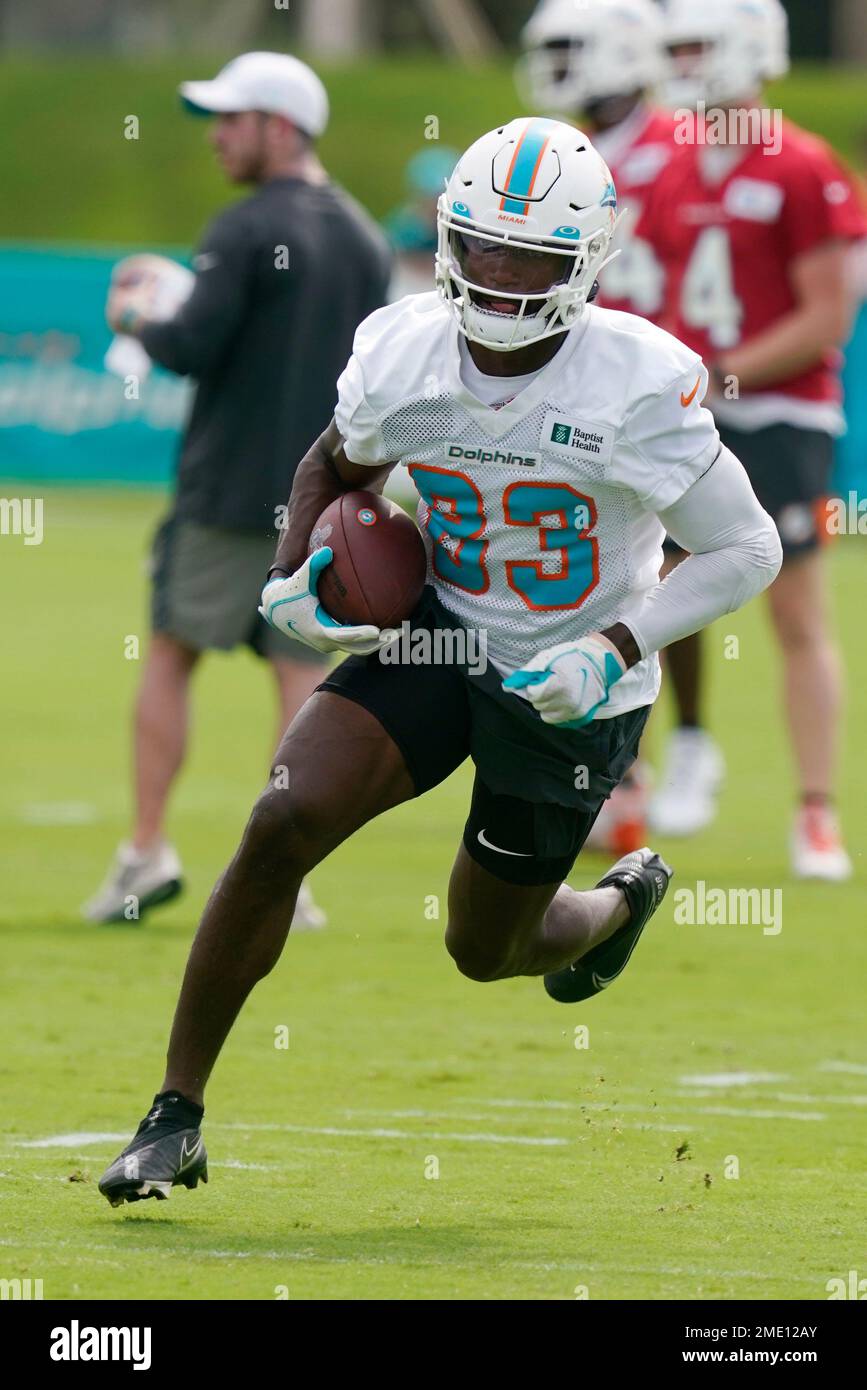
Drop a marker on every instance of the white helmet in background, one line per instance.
(534, 187)
(577, 52)
(744, 44)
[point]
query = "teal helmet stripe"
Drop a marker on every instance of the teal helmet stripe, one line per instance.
(525, 165)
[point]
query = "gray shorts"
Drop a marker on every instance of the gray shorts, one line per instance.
(206, 587)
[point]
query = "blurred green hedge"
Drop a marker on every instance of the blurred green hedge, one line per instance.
(68, 173)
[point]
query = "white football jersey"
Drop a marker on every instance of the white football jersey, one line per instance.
(538, 516)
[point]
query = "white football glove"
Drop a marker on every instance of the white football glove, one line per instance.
(568, 684)
(292, 607)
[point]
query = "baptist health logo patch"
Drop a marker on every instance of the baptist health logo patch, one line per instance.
(577, 439)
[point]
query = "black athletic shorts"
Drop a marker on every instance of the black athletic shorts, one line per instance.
(538, 787)
(790, 470)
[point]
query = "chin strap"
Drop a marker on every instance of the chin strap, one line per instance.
(479, 319)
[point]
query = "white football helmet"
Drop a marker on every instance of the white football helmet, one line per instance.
(745, 43)
(536, 187)
(577, 52)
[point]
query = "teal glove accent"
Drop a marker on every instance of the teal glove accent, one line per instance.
(579, 673)
(318, 562)
(613, 670)
(609, 676)
(310, 622)
(325, 619)
(320, 559)
(521, 679)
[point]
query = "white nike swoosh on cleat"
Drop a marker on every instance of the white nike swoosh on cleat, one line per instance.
(518, 854)
(188, 1155)
(603, 981)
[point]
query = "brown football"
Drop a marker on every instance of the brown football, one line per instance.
(379, 566)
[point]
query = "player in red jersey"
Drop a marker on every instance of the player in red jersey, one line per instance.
(751, 221)
(594, 62)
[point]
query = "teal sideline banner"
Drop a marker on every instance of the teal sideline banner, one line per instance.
(63, 417)
(851, 472)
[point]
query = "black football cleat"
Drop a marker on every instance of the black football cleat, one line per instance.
(644, 877)
(167, 1149)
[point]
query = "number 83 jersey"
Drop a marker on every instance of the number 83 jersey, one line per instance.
(539, 515)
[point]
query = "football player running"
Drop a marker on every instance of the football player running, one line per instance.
(596, 63)
(752, 222)
(551, 447)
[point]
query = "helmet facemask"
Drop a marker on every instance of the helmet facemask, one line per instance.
(539, 312)
(553, 75)
(703, 72)
(579, 54)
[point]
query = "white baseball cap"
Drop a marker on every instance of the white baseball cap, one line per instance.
(272, 82)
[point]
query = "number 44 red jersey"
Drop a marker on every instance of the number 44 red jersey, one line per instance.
(636, 151)
(727, 235)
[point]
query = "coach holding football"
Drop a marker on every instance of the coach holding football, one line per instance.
(282, 280)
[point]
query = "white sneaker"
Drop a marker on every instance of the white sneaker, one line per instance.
(817, 846)
(308, 916)
(693, 773)
(137, 880)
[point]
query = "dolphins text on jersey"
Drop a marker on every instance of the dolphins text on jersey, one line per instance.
(537, 510)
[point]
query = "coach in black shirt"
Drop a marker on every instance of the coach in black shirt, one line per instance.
(283, 278)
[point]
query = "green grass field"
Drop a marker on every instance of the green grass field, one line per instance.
(559, 1167)
(77, 178)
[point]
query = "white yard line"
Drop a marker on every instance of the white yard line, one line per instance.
(87, 1137)
(667, 1119)
(791, 1097)
(575, 1112)
(663, 1108)
(731, 1078)
(377, 1133)
(740, 1113)
(253, 1167)
(513, 1104)
(575, 1269)
(651, 1124)
(70, 1141)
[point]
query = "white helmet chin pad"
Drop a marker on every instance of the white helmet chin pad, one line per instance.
(540, 186)
(502, 332)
